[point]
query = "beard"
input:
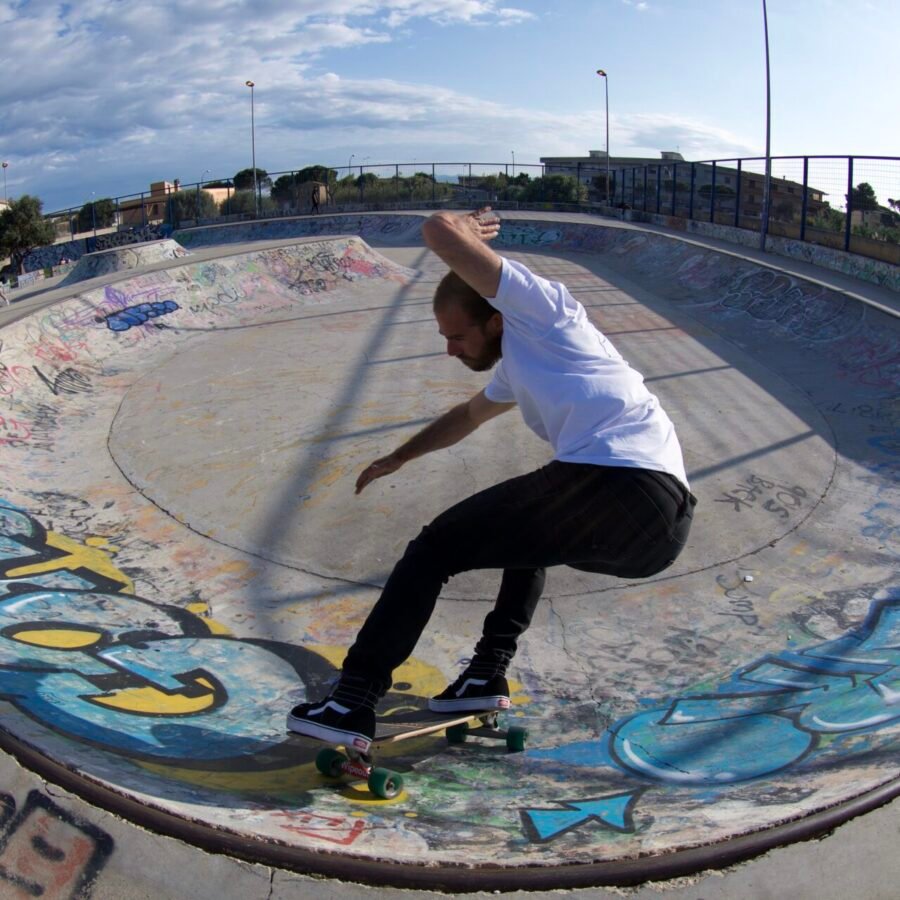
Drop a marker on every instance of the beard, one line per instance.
(488, 357)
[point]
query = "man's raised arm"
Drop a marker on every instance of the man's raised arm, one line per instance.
(460, 240)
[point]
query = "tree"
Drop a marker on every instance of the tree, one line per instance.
(245, 202)
(22, 228)
(193, 204)
(316, 173)
(286, 190)
(97, 214)
(243, 180)
(863, 197)
(556, 189)
(829, 219)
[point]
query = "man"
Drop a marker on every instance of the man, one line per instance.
(614, 499)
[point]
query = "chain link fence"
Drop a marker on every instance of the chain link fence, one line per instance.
(846, 203)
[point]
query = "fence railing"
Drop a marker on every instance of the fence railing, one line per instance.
(849, 203)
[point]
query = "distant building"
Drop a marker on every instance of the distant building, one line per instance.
(672, 168)
(150, 209)
(876, 219)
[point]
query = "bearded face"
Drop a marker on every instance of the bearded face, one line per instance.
(476, 345)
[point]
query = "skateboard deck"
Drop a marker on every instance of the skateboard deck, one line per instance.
(334, 762)
(405, 725)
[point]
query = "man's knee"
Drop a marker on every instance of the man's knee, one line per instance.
(430, 551)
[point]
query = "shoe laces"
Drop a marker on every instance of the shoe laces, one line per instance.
(354, 691)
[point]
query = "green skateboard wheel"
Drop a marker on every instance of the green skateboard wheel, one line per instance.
(516, 737)
(329, 762)
(456, 734)
(385, 784)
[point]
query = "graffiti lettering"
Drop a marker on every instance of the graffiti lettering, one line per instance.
(139, 315)
(789, 703)
(746, 493)
(48, 852)
(333, 829)
(69, 381)
(740, 602)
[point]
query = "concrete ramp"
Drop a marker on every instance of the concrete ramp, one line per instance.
(184, 559)
(123, 259)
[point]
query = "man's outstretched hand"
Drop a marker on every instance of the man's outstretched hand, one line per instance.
(378, 469)
(484, 223)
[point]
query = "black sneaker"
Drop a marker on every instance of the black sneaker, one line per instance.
(346, 716)
(472, 693)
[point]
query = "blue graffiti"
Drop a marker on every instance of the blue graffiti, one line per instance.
(613, 811)
(140, 678)
(139, 315)
(781, 711)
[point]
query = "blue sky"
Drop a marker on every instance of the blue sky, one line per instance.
(109, 95)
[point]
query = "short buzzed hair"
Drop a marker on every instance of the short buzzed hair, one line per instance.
(453, 290)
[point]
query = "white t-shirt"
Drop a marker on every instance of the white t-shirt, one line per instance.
(571, 385)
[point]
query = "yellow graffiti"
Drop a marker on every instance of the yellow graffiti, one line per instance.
(358, 792)
(290, 782)
(153, 701)
(201, 610)
(415, 678)
(93, 555)
(58, 638)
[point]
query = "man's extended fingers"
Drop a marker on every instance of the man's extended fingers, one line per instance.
(377, 469)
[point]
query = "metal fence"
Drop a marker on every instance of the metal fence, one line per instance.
(844, 202)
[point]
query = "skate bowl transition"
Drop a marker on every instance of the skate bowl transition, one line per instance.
(184, 558)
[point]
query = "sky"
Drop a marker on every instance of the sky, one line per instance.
(107, 96)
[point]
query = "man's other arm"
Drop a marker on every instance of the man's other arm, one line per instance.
(460, 240)
(448, 429)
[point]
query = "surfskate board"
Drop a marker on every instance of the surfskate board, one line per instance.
(343, 760)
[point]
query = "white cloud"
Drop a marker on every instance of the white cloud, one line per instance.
(121, 92)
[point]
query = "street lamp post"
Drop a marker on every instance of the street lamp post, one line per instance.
(349, 164)
(5, 165)
(251, 85)
(605, 78)
(764, 224)
(514, 162)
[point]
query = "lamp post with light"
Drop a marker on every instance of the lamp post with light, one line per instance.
(767, 187)
(251, 85)
(605, 78)
(5, 165)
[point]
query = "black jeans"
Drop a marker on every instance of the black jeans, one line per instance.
(627, 522)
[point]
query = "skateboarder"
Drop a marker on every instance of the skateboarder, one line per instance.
(613, 500)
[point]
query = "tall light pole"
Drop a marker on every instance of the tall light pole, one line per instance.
(605, 78)
(5, 165)
(764, 224)
(514, 162)
(349, 163)
(251, 85)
